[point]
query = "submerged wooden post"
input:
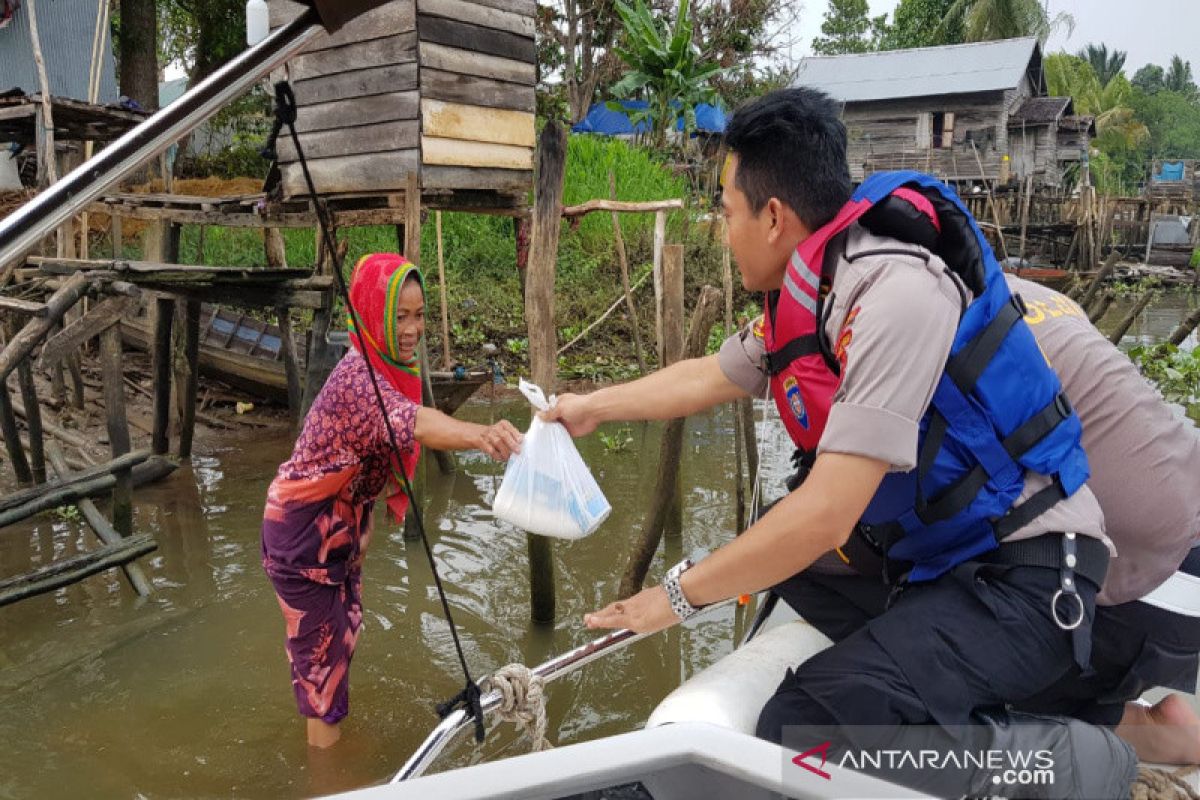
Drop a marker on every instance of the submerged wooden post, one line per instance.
(1188, 324)
(118, 427)
(672, 330)
(1126, 323)
(291, 366)
(703, 317)
(539, 317)
(33, 420)
(160, 368)
(191, 377)
(320, 361)
(12, 438)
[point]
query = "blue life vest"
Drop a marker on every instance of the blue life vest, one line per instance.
(998, 408)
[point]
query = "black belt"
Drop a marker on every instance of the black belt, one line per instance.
(867, 555)
(1047, 550)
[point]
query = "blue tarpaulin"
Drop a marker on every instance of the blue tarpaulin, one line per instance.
(1171, 171)
(603, 120)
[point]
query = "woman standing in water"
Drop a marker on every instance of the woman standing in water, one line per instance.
(317, 522)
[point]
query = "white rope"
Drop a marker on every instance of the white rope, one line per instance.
(1159, 784)
(522, 701)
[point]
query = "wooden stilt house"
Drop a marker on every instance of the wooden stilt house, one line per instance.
(443, 88)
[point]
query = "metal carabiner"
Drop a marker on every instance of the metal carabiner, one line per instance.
(1054, 610)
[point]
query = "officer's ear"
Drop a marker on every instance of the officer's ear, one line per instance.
(774, 212)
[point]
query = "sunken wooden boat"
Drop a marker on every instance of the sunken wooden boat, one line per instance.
(245, 353)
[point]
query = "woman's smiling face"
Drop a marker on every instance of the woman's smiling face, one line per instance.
(410, 318)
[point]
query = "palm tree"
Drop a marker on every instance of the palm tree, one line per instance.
(1106, 65)
(1179, 76)
(987, 20)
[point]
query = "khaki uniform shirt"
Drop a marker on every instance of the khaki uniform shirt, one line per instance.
(1143, 455)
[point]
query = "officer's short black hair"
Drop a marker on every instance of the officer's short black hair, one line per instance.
(791, 145)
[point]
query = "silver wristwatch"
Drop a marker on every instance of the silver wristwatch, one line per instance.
(679, 602)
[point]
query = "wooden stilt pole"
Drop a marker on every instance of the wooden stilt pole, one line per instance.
(12, 438)
(738, 482)
(672, 352)
(191, 377)
(118, 427)
(539, 317)
(291, 364)
(160, 368)
(703, 318)
(33, 420)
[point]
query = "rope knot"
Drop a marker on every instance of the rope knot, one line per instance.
(522, 701)
(1161, 784)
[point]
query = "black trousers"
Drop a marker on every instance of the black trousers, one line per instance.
(972, 639)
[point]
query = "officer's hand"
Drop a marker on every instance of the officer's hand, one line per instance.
(576, 412)
(646, 612)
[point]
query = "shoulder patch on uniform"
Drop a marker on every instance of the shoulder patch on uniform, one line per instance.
(757, 328)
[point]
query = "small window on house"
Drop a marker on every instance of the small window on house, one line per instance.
(943, 129)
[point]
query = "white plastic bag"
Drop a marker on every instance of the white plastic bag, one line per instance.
(547, 489)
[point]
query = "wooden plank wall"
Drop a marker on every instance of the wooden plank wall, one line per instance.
(359, 107)
(884, 135)
(477, 75)
(443, 87)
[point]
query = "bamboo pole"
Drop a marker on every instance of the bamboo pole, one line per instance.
(47, 168)
(444, 291)
(607, 313)
(992, 200)
(738, 433)
(660, 239)
(703, 318)
(623, 263)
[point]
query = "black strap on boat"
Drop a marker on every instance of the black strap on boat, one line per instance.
(285, 115)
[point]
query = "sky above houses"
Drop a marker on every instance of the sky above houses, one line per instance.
(1150, 31)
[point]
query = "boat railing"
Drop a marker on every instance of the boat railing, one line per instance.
(457, 721)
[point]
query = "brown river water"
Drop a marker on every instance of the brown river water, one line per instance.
(186, 693)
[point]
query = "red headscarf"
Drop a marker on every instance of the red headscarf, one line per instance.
(374, 293)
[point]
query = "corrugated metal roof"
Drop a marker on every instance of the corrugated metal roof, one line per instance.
(924, 71)
(66, 28)
(1040, 110)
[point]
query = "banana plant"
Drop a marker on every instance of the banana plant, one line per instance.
(665, 66)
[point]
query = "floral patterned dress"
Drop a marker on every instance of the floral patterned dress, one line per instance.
(317, 525)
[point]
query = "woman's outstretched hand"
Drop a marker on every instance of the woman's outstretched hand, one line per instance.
(500, 440)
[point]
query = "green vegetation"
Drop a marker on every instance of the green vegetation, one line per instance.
(1176, 373)
(616, 442)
